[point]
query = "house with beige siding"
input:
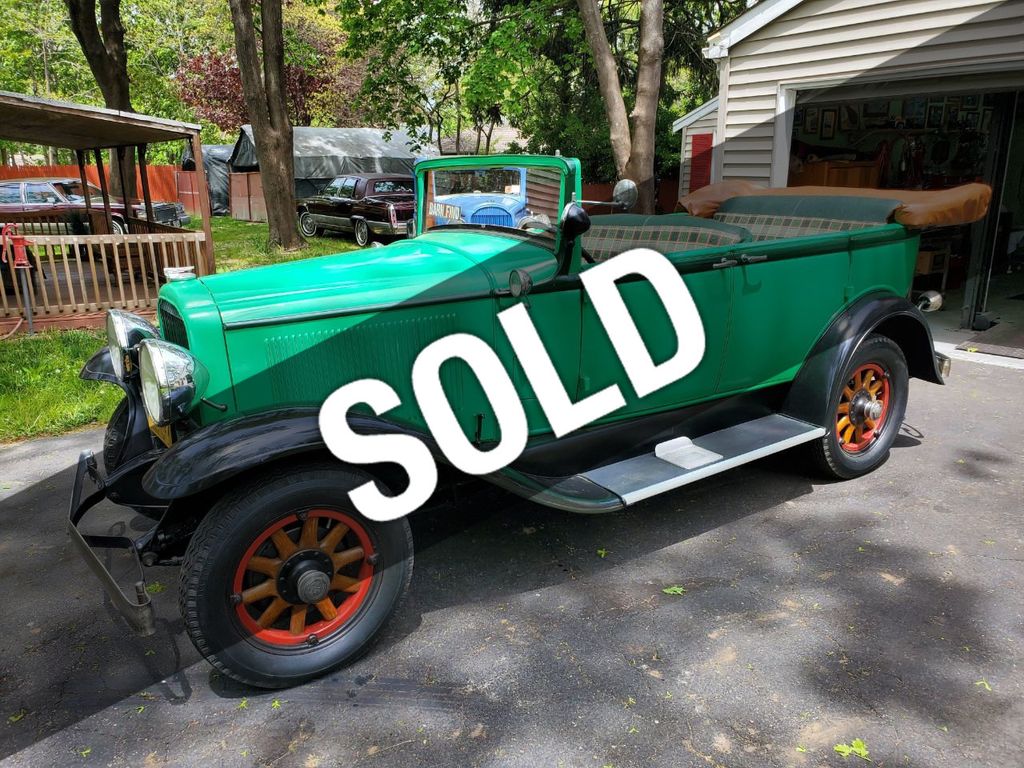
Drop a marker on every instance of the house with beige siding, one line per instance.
(875, 93)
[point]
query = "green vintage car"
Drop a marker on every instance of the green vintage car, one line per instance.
(809, 341)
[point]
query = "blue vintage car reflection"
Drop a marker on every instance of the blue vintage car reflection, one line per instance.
(494, 196)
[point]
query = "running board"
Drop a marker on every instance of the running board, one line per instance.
(681, 461)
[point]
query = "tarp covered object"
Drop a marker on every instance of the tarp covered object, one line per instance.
(918, 208)
(321, 154)
(215, 162)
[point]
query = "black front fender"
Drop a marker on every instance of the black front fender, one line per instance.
(216, 453)
(885, 314)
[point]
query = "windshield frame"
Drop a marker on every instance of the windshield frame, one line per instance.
(570, 189)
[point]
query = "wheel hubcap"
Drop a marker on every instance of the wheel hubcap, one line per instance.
(862, 409)
(304, 578)
(312, 586)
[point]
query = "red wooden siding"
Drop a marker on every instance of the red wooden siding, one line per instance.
(700, 160)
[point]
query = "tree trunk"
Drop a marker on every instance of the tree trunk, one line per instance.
(632, 150)
(645, 110)
(102, 42)
(265, 99)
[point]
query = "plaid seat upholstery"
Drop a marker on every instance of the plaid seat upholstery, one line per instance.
(779, 217)
(609, 236)
(771, 227)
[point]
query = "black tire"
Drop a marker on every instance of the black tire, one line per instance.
(114, 437)
(307, 226)
(118, 226)
(362, 233)
(224, 539)
(829, 453)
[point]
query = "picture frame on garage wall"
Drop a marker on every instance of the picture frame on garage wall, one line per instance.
(970, 101)
(936, 115)
(874, 113)
(876, 108)
(812, 119)
(829, 117)
(849, 117)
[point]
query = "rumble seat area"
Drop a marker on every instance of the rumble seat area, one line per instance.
(613, 234)
(780, 217)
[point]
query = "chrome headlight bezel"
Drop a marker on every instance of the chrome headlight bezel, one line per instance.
(125, 331)
(173, 381)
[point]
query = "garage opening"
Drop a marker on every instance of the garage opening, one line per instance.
(901, 135)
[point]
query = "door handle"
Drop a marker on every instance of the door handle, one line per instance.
(753, 259)
(723, 263)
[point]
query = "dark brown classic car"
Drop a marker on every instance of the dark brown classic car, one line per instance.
(366, 205)
(65, 195)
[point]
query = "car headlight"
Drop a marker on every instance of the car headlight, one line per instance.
(173, 380)
(124, 333)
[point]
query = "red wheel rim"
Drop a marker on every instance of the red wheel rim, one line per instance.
(863, 408)
(259, 604)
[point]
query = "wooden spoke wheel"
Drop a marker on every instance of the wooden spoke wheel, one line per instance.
(863, 408)
(281, 584)
(864, 411)
(303, 578)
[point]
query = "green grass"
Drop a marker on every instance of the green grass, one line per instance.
(243, 244)
(40, 392)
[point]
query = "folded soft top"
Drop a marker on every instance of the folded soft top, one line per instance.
(930, 208)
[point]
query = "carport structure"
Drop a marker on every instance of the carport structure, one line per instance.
(82, 262)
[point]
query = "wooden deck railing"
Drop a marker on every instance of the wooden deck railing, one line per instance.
(56, 222)
(74, 274)
(143, 227)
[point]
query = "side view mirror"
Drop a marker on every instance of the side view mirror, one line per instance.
(519, 283)
(574, 221)
(625, 194)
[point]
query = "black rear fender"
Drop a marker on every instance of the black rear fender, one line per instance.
(884, 314)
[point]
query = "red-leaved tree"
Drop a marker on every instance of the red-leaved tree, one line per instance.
(211, 84)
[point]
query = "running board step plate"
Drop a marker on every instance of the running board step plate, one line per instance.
(681, 461)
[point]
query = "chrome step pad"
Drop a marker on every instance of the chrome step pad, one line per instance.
(685, 461)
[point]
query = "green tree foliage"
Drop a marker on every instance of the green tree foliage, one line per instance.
(433, 66)
(437, 65)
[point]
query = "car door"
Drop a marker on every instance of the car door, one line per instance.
(319, 205)
(10, 197)
(786, 293)
(711, 290)
(40, 196)
(344, 201)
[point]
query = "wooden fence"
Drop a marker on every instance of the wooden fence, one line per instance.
(163, 183)
(246, 191)
(74, 274)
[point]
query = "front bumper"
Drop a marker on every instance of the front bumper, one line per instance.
(137, 610)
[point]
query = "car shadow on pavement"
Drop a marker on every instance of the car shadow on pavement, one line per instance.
(70, 655)
(799, 607)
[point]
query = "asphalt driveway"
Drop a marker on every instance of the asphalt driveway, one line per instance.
(810, 614)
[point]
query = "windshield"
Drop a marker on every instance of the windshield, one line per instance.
(73, 190)
(501, 196)
(392, 186)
